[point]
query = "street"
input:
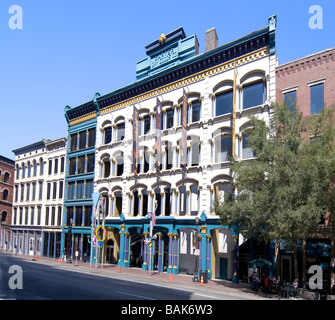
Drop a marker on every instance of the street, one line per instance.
(41, 281)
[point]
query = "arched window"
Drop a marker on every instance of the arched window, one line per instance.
(34, 168)
(29, 169)
(253, 89)
(5, 194)
(223, 148)
(6, 177)
(23, 171)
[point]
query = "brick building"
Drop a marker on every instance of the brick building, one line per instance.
(6, 199)
(309, 82)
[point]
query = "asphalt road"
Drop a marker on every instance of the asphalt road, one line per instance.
(48, 282)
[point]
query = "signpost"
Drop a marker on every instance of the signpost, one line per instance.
(96, 241)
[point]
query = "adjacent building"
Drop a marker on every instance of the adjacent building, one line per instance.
(79, 181)
(38, 197)
(309, 83)
(7, 168)
(163, 145)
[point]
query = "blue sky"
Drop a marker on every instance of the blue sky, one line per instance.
(68, 50)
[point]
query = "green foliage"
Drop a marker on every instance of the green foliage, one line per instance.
(284, 192)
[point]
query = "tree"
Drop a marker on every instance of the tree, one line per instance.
(284, 192)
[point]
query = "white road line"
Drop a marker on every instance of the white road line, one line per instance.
(134, 295)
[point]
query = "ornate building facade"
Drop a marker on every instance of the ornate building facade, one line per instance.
(196, 107)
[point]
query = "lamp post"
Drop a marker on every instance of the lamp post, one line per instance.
(70, 239)
(196, 253)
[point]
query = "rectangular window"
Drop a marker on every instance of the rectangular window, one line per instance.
(253, 95)
(79, 216)
(59, 216)
(316, 98)
(91, 137)
(26, 215)
(46, 216)
(71, 191)
(90, 162)
(61, 186)
(22, 192)
(223, 148)
(89, 189)
(72, 169)
(28, 191)
(290, 99)
(54, 191)
(32, 214)
(48, 191)
(50, 167)
(224, 103)
(62, 163)
(88, 214)
(80, 189)
(81, 164)
(41, 191)
(69, 216)
(56, 166)
(39, 215)
(34, 192)
(73, 142)
(82, 140)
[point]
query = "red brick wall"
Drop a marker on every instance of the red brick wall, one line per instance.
(302, 71)
(6, 205)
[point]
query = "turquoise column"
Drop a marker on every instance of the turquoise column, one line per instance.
(126, 249)
(203, 253)
(122, 243)
(62, 243)
(169, 269)
(145, 252)
(208, 259)
(160, 253)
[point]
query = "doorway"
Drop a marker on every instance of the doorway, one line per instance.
(223, 268)
(110, 251)
(286, 268)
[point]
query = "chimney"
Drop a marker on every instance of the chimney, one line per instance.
(211, 39)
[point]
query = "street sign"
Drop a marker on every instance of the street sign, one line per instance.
(95, 197)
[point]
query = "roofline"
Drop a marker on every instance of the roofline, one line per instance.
(35, 145)
(197, 58)
(305, 57)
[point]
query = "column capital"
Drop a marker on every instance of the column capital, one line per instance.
(203, 229)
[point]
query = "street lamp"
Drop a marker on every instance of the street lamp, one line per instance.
(70, 239)
(196, 253)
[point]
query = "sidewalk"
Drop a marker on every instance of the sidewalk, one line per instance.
(155, 277)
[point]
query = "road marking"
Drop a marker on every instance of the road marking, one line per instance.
(134, 295)
(204, 295)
